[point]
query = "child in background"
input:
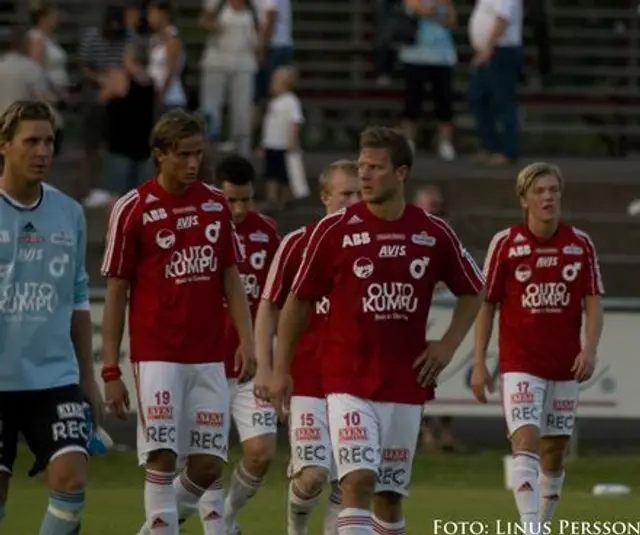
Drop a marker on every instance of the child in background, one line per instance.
(280, 135)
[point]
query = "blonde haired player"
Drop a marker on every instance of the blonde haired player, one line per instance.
(311, 457)
(540, 273)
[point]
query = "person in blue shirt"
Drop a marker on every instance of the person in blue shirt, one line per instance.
(46, 368)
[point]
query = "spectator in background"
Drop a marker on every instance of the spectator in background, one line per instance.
(133, 21)
(495, 32)
(430, 199)
(228, 67)
(275, 46)
(280, 135)
(21, 78)
(384, 54)
(167, 57)
(130, 116)
(101, 51)
(430, 61)
(45, 50)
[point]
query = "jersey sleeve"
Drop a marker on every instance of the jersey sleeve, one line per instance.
(233, 252)
(120, 253)
(314, 279)
(283, 269)
(461, 274)
(495, 270)
(81, 282)
(593, 284)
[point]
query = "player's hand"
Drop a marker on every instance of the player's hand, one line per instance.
(117, 398)
(93, 397)
(261, 383)
(481, 382)
(280, 390)
(584, 366)
(432, 361)
(245, 362)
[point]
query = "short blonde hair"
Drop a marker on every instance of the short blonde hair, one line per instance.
(348, 166)
(24, 110)
(172, 127)
(528, 175)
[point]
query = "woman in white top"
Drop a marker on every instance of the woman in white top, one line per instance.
(167, 57)
(45, 50)
(228, 65)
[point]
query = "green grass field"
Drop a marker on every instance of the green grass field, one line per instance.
(448, 487)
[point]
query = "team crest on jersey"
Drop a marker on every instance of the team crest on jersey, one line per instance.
(423, 239)
(572, 250)
(259, 237)
(356, 239)
(523, 273)
(165, 239)
(211, 206)
(519, 251)
(363, 268)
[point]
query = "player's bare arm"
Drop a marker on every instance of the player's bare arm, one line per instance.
(265, 328)
(241, 316)
(480, 377)
(82, 338)
(439, 353)
(585, 363)
(294, 319)
(115, 307)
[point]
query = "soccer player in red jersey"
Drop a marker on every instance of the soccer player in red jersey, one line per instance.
(254, 418)
(378, 262)
(311, 462)
(172, 254)
(540, 274)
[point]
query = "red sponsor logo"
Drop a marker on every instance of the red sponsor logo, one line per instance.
(392, 455)
(522, 398)
(262, 404)
(161, 412)
(566, 405)
(347, 434)
(212, 419)
(307, 433)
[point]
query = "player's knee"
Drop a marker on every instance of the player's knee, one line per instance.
(357, 488)
(203, 470)
(387, 506)
(553, 451)
(68, 473)
(257, 454)
(311, 480)
(526, 438)
(161, 461)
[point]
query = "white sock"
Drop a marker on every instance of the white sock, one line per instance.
(526, 489)
(333, 510)
(188, 495)
(242, 488)
(160, 503)
(211, 509)
(352, 521)
(299, 509)
(550, 490)
(380, 527)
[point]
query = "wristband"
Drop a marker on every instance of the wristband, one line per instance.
(111, 373)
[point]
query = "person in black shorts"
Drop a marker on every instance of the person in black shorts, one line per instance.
(46, 361)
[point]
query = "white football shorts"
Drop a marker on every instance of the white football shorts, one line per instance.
(253, 417)
(529, 400)
(381, 437)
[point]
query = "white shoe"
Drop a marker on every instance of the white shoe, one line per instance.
(446, 151)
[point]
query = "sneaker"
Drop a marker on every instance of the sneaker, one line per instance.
(446, 151)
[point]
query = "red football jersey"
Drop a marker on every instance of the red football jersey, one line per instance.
(259, 239)
(306, 367)
(173, 250)
(379, 277)
(540, 286)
